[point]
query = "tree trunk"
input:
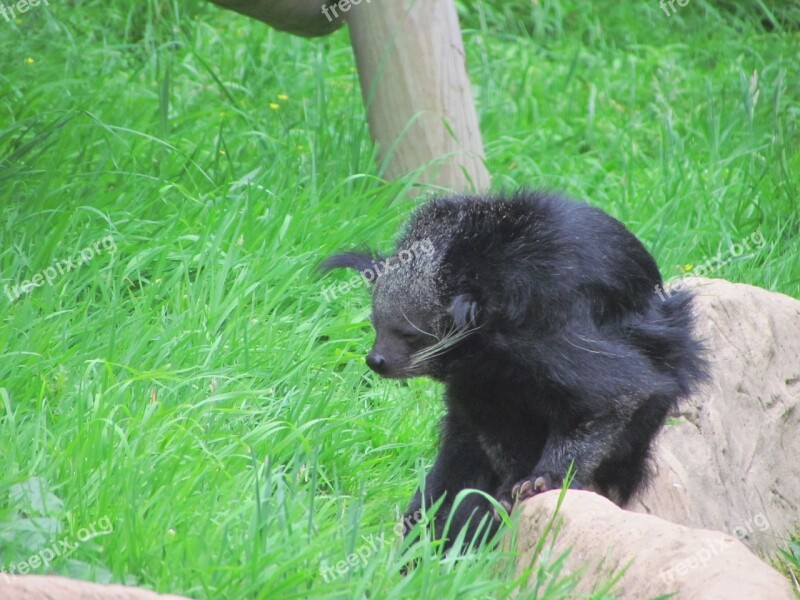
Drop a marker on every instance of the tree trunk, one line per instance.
(414, 82)
(300, 17)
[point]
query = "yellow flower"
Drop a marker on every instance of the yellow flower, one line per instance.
(274, 105)
(688, 267)
(29, 60)
(283, 97)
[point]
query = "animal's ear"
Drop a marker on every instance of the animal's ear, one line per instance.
(464, 310)
(360, 261)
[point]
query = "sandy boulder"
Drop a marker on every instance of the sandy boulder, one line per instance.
(46, 587)
(658, 557)
(730, 460)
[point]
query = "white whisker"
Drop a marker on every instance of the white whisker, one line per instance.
(445, 343)
(418, 329)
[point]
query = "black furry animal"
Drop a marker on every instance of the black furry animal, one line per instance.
(542, 317)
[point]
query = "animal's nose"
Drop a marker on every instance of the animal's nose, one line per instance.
(376, 362)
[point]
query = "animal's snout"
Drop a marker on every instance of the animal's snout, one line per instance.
(376, 362)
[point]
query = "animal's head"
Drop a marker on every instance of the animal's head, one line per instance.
(490, 279)
(417, 323)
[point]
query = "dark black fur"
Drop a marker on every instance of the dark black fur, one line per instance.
(541, 316)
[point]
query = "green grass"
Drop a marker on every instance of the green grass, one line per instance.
(193, 387)
(788, 561)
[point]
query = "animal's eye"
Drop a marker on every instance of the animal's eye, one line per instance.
(410, 337)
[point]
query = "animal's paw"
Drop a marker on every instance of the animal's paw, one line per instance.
(505, 502)
(509, 497)
(538, 484)
(527, 488)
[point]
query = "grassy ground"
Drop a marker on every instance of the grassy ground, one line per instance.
(186, 399)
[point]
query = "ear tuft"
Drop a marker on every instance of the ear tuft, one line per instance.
(360, 261)
(464, 310)
(347, 260)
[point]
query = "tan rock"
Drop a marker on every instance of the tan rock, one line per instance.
(731, 460)
(661, 557)
(46, 587)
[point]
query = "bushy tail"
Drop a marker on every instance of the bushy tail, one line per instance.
(668, 336)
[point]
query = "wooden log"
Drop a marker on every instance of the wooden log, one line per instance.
(414, 82)
(299, 17)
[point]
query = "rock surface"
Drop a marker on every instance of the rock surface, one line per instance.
(730, 461)
(46, 587)
(661, 557)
